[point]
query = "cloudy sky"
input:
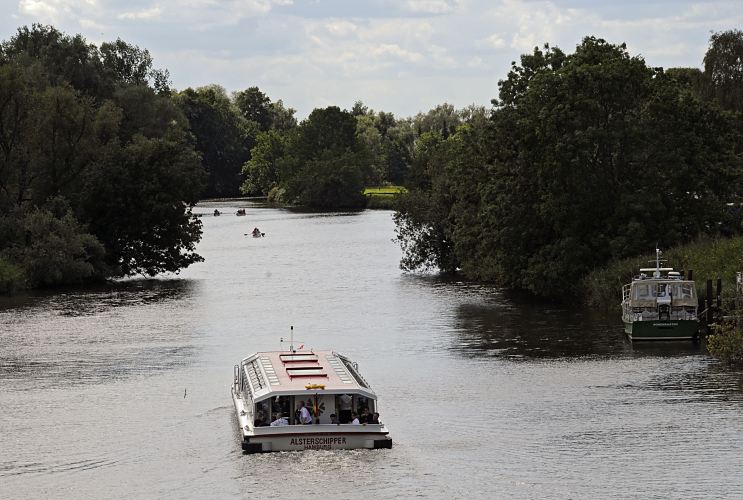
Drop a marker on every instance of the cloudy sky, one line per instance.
(402, 56)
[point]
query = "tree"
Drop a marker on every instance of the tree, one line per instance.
(64, 59)
(324, 165)
(599, 147)
(223, 137)
(723, 66)
(51, 246)
(255, 106)
(92, 162)
(139, 205)
(70, 136)
(282, 118)
(369, 137)
(262, 170)
(128, 63)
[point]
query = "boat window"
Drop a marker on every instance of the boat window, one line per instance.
(687, 290)
(293, 358)
(262, 413)
(280, 407)
(674, 289)
(644, 291)
(306, 372)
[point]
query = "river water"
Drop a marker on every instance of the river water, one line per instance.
(123, 391)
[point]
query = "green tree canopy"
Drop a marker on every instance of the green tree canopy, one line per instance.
(587, 157)
(723, 66)
(223, 137)
(95, 133)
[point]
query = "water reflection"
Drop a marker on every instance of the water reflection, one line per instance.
(72, 301)
(97, 334)
(488, 321)
(534, 331)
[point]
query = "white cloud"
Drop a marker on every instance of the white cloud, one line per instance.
(495, 41)
(396, 51)
(90, 24)
(430, 6)
(41, 9)
(142, 15)
(340, 27)
(53, 10)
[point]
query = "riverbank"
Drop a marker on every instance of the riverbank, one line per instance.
(708, 258)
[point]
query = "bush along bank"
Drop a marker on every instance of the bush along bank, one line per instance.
(708, 258)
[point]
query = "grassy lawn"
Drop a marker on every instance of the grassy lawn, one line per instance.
(384, 191)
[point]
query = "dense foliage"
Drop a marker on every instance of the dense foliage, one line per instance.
(587, 157)
(328, 159)
(726, 340)
(97, 167)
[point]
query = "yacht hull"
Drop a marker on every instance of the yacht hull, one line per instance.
(662, 329)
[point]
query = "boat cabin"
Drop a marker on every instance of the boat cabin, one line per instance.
(660, 296)
(275, 385)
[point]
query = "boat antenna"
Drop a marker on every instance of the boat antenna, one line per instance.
(291, 341)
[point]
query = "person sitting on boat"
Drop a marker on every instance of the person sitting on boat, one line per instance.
(355, 420)
(304, 414)
(365, 416)
(260, 419)
(333, 418)
(279, 421)
(256, 232)
(216, 212)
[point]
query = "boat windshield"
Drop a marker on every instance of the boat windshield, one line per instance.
(644, 291)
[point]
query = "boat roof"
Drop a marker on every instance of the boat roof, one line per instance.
(275, 373)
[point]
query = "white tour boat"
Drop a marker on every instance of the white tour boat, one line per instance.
(270, 390)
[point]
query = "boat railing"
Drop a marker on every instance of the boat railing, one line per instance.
(354, 369)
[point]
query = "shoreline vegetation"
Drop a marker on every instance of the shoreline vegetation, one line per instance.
(707, 258)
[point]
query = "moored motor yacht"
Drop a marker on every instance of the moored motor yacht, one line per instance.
(274, 392)
(659, 304)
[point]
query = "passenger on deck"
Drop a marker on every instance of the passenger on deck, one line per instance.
(374, 418)
(304, 414)
(280, 420)
(365, 415)
(333, 419)
(344, 405)
(260, 419)
(355, 420)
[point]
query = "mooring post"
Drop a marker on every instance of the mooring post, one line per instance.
(691, 275)
(709, 301)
